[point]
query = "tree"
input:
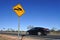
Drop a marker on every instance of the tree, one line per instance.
(3, 29)
(53, 29)
(58, 30)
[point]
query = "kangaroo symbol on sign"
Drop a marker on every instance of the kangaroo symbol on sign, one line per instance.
(18, 9)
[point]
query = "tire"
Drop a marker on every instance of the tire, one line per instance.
(43, 34)
(38, 33)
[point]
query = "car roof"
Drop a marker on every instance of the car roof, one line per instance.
(37, 28)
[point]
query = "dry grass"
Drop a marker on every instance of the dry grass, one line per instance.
(3, 38)
(55, 33)
(7, 37)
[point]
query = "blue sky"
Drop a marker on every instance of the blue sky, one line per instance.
(39, 13)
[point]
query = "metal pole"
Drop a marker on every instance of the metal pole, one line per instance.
(18, 26)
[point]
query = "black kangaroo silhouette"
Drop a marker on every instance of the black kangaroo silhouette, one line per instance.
(18, 9)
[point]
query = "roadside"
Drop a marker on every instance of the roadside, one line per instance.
(7, 37)
(32, 37)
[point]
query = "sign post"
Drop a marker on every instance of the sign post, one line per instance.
(18, 27)
(19, 11)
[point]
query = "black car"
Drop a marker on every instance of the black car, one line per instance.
(38, 31)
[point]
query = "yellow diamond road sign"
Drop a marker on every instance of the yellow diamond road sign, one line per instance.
(18, 9)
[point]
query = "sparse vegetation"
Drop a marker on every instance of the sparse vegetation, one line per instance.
(2, 38)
